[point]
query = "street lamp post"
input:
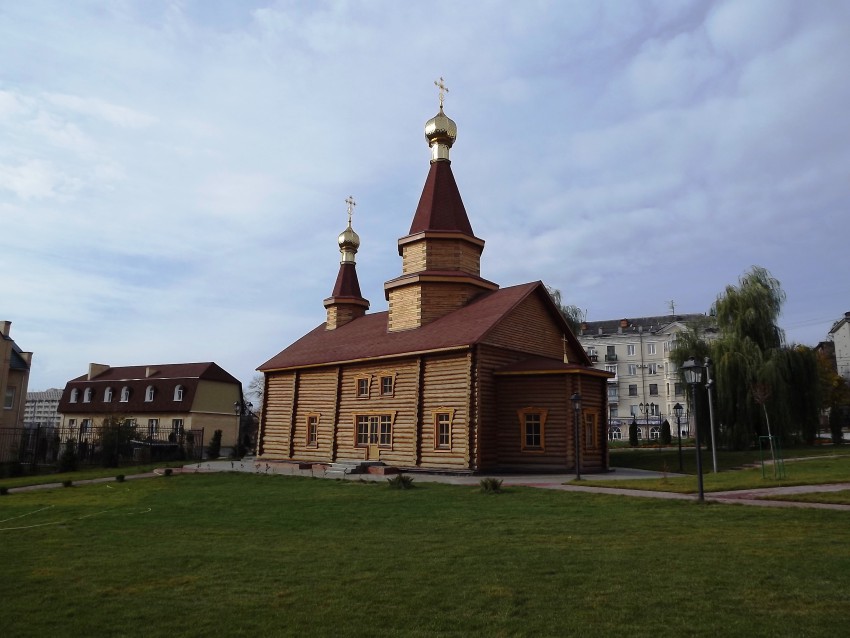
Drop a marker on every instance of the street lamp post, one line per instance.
(709, 383)
(678, 410)
(576, 399)
(646, 409)
(693, 376)
(241, 407)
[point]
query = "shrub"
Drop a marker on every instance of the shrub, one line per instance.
(4, 491)
(68, 458)
(633, 434)
(120, 478)
(835, 425)
(214, 448)
(168, 471)
(666, 436)
(491, 485)
(67, 483)
(401, 482)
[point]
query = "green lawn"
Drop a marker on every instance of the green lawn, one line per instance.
(839, 498)
(813, 471)
(254, 555)
(85, 474)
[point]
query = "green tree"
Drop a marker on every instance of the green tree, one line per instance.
(115, 436)
(573, 314)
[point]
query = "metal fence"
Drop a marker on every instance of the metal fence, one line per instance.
(109, 446)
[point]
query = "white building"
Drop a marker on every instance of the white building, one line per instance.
(840, 335)
(41, 409)
(646, 386)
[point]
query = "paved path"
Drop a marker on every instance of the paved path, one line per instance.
(562, 482)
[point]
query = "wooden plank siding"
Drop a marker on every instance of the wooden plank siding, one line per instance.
(446, 387)
(277, 415)
(316, 397)
(530, 327)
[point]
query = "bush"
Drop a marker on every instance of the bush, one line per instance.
(666, 436)
(120, 478)
(67, 483)
(214, 449)
(68, 459)
(633, 434)
(4, 491)
(401, 482)
(491, 485)
(168, 471)
(835, 425)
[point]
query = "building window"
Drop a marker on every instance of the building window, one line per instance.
(632, 369)
(615, 433)
(362, 384)
(633, 410)
(650, 348)
(613, 393)
(313, 430)
(630, 349)
(72, 423)
(178, 393)
(125, 394)
(678, 389)
(130, 423)
(375, 429)
(387, 385)
(153, 427)
(633, 389)
(85, 426)
(149, 394)
(177, 427)
(9, 399)
(611, 368)
(653, 368)
(87, 395)
(107, 395)
(613, 410)
(653, 389)
(443, 418)
(590, 441)
(532, 429)
(654, 432)
(75, 393)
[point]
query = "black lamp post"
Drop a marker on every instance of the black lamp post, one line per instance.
(678, 410)
(646, 409)
(241, 407)
(576, 399)
(693, 376)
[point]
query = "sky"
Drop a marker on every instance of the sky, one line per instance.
(173, 173)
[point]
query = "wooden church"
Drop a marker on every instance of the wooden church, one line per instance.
(457, 375)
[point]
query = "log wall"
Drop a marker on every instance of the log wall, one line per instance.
(446, 385)
(278, 410)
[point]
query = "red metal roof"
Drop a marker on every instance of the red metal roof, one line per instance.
(440, 206)
(347, 284)
(367, 337)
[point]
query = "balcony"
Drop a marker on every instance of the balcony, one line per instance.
(610, 357)
(594, 358)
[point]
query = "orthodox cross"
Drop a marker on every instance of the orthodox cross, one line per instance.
(564, 339)
(443, 90)
(351, 204)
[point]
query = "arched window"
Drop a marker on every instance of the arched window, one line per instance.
(107, 395)
(149, 394)
(616, 433)
(75, 394)
(178, 393)
(654, 432)
(87, 395)
(125, 394)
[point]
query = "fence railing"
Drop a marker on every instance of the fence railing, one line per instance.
(110, 446)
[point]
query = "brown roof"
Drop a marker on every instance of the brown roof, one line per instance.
(543, 365)
(347, 284)
(164, 379)
(440, 205)
(368, 338)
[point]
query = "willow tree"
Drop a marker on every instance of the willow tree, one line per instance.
(573, 314)
(757, 377)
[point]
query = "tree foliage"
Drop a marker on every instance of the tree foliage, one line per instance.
(572, 314)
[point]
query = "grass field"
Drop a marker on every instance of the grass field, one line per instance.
(249, 555)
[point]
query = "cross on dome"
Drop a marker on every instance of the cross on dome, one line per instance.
(443, 90)
(351, 204)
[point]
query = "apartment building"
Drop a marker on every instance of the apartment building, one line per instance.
(42, 409)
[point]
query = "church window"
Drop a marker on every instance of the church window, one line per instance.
(443, 418)
(313, 430)
(590, 442)
(362, 384)
(374, 429)
(387, 385)
(532, 429)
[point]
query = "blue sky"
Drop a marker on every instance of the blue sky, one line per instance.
(173, 174)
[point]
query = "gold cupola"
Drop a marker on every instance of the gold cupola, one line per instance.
(440, 130)
(346, 302)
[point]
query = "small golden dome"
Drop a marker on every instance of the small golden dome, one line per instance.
(441, 129)
(349, 239)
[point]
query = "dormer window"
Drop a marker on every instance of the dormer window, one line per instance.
(178, 393)
(107, 395)
(75, 394)
(87, 395)
(125, 394)
(149, 394)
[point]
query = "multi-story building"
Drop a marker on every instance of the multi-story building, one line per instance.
(646, 384)
(162, 401)
(840, 334)
(42, 409)
(14, 376)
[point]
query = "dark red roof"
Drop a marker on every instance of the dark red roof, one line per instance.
(440, 206)
(347, 284)
(367, 337)
(543, 365)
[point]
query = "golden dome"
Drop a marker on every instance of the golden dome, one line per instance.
(348, 239)
(441, 129)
